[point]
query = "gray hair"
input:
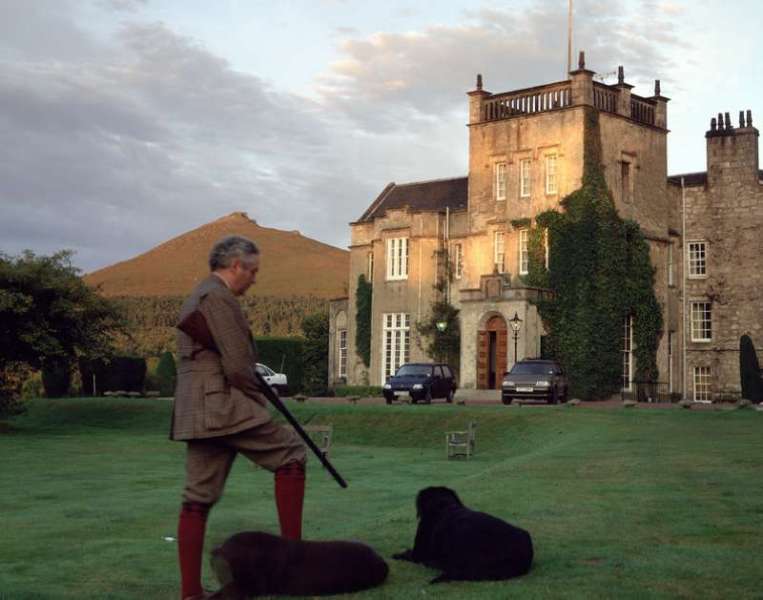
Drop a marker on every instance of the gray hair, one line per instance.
(229, 248)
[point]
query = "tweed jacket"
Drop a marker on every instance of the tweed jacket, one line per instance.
(216, 393)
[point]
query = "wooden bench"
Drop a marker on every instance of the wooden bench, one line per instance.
(461, 443)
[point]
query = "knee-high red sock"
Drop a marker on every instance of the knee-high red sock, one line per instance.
(290, 494)
(191, 527)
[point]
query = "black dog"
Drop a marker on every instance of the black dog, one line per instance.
(465, 544)
(253, 563)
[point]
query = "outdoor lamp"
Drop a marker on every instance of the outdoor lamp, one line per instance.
(516, 325)
(441, 326)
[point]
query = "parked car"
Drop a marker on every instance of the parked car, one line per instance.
(535, 379)
(277, 381)
(422, 382)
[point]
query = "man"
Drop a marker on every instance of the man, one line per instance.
(220, 412)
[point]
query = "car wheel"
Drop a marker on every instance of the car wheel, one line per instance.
(506, 400)
(428, 396)
(450, 396)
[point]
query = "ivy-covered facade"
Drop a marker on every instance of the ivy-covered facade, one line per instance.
(567, 221)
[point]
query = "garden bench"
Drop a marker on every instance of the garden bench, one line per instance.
(461, 443)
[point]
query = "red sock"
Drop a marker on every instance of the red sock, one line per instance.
(290, 494)
(191, 527)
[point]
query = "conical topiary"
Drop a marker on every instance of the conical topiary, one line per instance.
(749, 371)
(166, 374)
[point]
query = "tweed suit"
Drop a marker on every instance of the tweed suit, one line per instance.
(219, 409)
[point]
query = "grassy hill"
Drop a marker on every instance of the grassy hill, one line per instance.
(292, 265)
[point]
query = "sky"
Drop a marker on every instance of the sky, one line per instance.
(125, 123)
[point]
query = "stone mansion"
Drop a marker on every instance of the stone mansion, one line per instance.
(526, 154)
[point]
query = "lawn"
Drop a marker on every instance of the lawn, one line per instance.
(621, 503)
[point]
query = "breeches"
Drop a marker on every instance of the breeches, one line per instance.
(208, 461)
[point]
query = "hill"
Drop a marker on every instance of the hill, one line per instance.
(291, 265)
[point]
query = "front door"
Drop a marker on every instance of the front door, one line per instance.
(491, 353)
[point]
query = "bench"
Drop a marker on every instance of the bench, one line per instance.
(461, 443)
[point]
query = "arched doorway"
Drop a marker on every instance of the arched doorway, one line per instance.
(491, 353)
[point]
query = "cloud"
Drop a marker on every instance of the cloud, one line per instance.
(116, 143)
(397, 81)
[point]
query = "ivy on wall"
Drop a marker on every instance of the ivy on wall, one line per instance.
(599, 273)
(363, 295)
(442, 345)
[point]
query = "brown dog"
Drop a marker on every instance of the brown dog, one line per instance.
(254, 563)
(465, 544)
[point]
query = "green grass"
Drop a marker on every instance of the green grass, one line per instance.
(621, 504)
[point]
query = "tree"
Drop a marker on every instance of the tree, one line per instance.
(315, 356)
(48, 316)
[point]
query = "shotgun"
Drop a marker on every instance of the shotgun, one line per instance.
(195, 325)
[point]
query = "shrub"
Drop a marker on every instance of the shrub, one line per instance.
(749, 371)
(32, 386)
(166, 374)
(126, 373)
(357, 390)
(56, 378)
(12, 376)
(315, 355)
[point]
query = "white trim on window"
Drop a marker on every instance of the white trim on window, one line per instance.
(551, 174)
(397, 258)
(702, 384)
(458, 260)
(499, 252)
(697, 259)
(627, 352)
(524, 254)
(395, 342)
(670, 264)
(500, 181)
(524, 178)
(342, 346)
(701, 321)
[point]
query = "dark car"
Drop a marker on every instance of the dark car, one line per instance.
(535, 379)
(422, 382)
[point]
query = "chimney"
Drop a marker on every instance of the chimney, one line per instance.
(732, 153)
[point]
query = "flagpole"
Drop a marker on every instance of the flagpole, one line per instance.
(569, 39)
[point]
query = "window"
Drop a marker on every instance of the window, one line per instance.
(396, 341)
(457, 261)
(551, 187)
(438, 371)
(697, 259)
(670, 264)
(627, 353)
(625, 180)
(701, 322)
(498, 252)
(343, 353)
(524, 257)
(500, 181)
(370, 266)
(397, 258)
(701, 384)
(524, 178)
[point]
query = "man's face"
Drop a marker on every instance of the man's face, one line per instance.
(244, 273)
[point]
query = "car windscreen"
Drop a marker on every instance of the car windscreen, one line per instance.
(407, 370)
(532, 369)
